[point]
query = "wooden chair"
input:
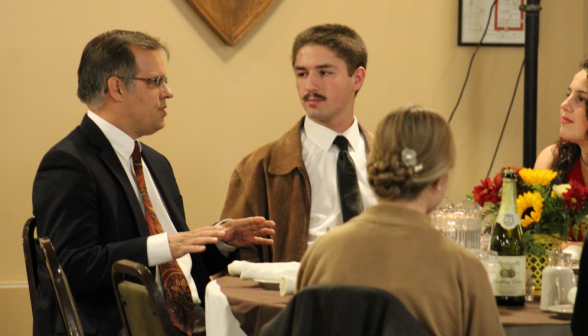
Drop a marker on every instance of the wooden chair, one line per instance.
(142, 306)
(29, 246)
(69, 313)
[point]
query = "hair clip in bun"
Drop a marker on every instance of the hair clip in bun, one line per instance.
(409, 157)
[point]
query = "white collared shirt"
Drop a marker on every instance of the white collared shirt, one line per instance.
(158, 250)
(320, 158)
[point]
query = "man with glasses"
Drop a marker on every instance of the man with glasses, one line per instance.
(101, 196)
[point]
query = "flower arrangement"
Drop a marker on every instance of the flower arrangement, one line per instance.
(548, 210)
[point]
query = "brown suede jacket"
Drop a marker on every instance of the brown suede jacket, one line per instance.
(273, 182)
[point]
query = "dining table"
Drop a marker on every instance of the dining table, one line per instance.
(236, 307)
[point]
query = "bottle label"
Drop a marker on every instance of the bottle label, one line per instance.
(510, 279)
(508, 219)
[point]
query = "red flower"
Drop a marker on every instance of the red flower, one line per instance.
(488, 190)
(498, 183)
(575, 197)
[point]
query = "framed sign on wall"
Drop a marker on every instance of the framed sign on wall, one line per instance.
(231, 20)
(506, 27)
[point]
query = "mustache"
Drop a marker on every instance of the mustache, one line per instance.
(313, 95)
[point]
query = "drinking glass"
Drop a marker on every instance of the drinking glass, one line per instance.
(469, 213)
(530, 289)
(486, 232)
(490, 261)
(461, 222)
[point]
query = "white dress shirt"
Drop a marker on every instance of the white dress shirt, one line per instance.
(320, 158)
(158, 250)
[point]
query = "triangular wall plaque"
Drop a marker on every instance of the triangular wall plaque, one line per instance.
(231, 19)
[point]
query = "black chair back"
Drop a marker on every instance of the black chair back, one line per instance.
(29, 246)
(142, 306)
(69, 313)
(343, 310)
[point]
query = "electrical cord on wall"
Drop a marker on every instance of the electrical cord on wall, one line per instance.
(472, 61)
(506, 119)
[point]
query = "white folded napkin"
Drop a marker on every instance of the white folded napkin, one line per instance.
(287, 286)
(236, 267)
(269, 271)
(575, 251)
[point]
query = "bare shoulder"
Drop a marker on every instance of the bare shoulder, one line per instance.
(545, 158)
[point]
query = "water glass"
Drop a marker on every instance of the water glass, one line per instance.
(530, 290)
(461, 223)
(486, 236)
(490, 261)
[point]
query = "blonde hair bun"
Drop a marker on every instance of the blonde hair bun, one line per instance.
(412, 148)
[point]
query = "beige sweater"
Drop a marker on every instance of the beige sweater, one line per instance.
(396, 249)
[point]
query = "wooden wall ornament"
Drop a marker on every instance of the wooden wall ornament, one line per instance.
(231, 20)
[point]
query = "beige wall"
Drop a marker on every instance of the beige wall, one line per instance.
(231, 100)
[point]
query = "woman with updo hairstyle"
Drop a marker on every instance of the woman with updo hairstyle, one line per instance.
(411, 151)
(394, 247)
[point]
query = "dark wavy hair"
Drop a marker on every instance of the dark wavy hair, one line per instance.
(566, 153)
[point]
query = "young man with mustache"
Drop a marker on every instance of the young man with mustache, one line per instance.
(303, 181)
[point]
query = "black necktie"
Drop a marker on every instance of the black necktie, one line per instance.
(351, 203)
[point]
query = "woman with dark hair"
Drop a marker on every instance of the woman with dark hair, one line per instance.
(569, 156)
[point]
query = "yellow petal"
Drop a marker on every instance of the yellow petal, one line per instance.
(537, 176)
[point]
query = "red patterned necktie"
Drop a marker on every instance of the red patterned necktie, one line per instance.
(176, 290)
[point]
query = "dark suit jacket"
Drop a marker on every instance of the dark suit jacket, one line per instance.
(334, 309)
(85, 203)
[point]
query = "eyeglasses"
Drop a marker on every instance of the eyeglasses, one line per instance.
(159, 82)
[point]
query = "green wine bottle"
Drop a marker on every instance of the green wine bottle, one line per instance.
(508, 242)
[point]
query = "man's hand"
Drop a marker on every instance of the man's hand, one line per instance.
(247, 231)
(194, 241)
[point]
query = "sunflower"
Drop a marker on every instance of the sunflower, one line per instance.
(537, 176)
(530, 206)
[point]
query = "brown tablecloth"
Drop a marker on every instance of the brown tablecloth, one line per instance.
(254, 306)
(530, 314)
